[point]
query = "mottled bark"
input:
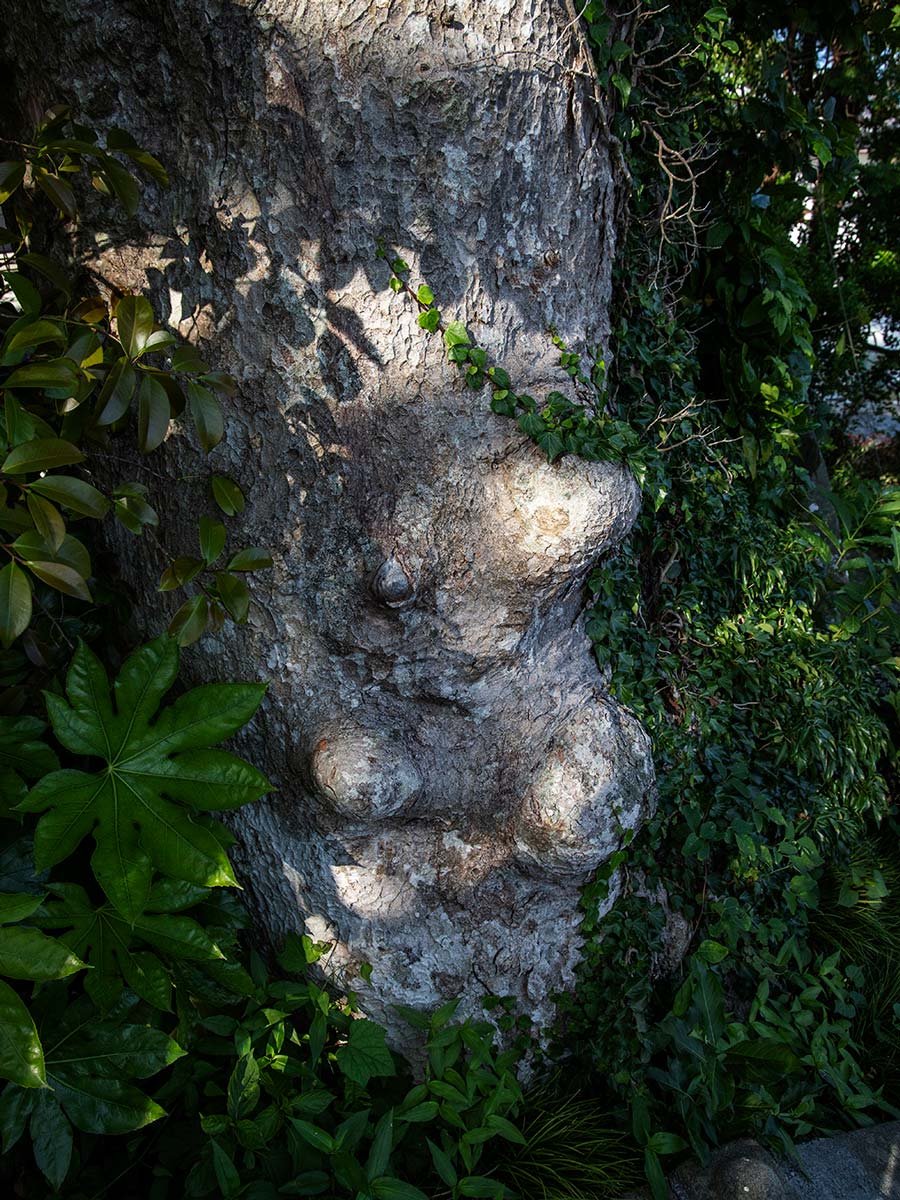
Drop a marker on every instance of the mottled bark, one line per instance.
(450, 767)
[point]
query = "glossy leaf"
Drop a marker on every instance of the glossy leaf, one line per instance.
(74, 493)
(15, 603)
(21, 1055)
(41, 454)
(153, 414)
(29, 954)
(117, 393)
(135, 323)
(234, 594)
(189, 623)
(212, 539)
(134, 807)
(61, 577)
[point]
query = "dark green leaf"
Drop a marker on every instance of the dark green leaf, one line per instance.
(117, 393)
(212, 539)
(234, 594)
(243, 1088)
(55, 373)
(253, 558)
(11, 176)
(96, 1104)
(132, 806)
(74, 493)
(51, 1136)
(41, 454)
(365, 1055)
(30, 954)
(189, 623)
(227, 495)
(61, 577)
(153, 414)
(396, 1189)
(21, 1056)
(15, 604)
(227, 1176)
(207, 416)
(135, 322)
(58, 191)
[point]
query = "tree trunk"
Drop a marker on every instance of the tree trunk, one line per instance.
(450, 768)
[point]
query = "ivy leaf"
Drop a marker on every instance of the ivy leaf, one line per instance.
(135, 807)
(455, 335)
(365, 1053)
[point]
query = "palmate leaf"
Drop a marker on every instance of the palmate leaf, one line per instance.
(120, 952)
(138, 806)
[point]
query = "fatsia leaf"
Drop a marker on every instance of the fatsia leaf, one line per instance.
(137, 807)
(30, 954)
(20, 749)
(95, 1104)
(21, 1055)
(16, 906)
(51, 1139)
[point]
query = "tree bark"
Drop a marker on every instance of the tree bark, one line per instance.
(450, 767)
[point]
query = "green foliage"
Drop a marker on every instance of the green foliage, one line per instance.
(571, 1150)
(127, 806)
(144, 1010)
(763, 662)
(76, 371)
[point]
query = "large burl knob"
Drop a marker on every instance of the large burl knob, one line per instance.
(362, 774)
(591, 788)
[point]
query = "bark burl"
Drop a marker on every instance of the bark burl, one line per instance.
(450, 766)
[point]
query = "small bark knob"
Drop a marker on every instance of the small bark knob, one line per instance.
(391, 585)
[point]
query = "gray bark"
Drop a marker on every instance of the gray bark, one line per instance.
(450, 767)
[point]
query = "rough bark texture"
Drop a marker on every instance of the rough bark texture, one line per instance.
(450, 767)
